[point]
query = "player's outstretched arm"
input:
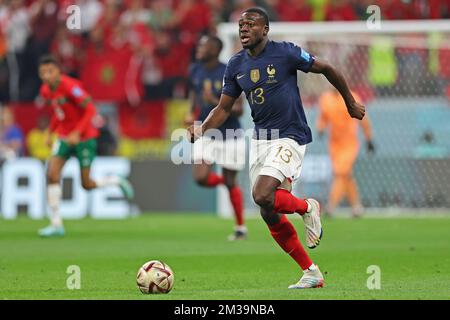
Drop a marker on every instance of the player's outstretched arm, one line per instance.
(335, 77)
(215, 119)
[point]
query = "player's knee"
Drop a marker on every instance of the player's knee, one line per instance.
(229, 179)
(53, 177)
(201, 180)
(263, 198)
(230, 183)
(343, 176)
(87, 185)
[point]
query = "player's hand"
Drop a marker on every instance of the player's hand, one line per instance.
(73, 138)
(193, 133)
(370, 147)
(189, 119)
(356, 110)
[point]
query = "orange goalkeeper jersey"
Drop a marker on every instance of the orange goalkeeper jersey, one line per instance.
(343, 130)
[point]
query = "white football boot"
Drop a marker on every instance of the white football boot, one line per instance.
(313, 226)
(312, 278)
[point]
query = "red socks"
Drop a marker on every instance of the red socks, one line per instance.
(238, 204)
(236, 198)
(213, 180)
(285, 235)
(286, 202)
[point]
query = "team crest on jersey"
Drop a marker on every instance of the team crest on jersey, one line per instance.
(254, 75)
(77, 92)
(61, 100)
(271, 74)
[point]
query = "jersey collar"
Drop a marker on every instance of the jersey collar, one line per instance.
(269, 42)
(53, 88)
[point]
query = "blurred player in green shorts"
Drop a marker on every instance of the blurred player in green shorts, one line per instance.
(71, 121)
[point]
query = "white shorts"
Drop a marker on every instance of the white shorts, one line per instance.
(280, 158)
(229, 153)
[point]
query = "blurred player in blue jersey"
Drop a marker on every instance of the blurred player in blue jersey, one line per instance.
(267, 72)
(206, 78)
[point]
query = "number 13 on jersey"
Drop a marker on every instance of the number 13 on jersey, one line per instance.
(257, 96)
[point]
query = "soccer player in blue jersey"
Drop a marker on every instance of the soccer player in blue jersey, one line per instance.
(267, 72)
(206, 77)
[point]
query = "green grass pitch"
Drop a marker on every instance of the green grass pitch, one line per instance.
(413, 255)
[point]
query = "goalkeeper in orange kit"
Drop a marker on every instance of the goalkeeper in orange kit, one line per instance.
(343, 148)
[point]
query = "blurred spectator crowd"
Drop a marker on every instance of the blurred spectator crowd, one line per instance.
(137, 52)
(129, 50)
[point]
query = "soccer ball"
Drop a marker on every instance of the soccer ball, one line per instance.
(155, 277)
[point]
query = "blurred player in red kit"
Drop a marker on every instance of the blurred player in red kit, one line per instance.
(71, 121)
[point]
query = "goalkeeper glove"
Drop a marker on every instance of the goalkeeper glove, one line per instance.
(370, 147)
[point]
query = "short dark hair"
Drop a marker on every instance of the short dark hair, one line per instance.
(48, 58)
(261, 11)
(216, 41)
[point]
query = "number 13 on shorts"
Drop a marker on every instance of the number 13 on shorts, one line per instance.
(284, 154)
(287, 157)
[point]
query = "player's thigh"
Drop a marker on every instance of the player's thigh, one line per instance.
(86, 151)
(342, 161)
(61, 152)
(265, 186)
(54, 168)
(264, 191)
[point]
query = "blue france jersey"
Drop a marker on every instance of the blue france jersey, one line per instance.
(199, 78)
(269, 81)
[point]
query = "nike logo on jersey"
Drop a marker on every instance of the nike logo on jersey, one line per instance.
(240, 76)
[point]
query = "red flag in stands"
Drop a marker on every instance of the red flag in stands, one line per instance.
(144, 121)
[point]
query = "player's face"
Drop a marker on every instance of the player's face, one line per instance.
(252, 30)
(205, 50)
(49, 73)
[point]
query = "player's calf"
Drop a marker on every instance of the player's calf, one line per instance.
(285, 202)
(269, 217)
